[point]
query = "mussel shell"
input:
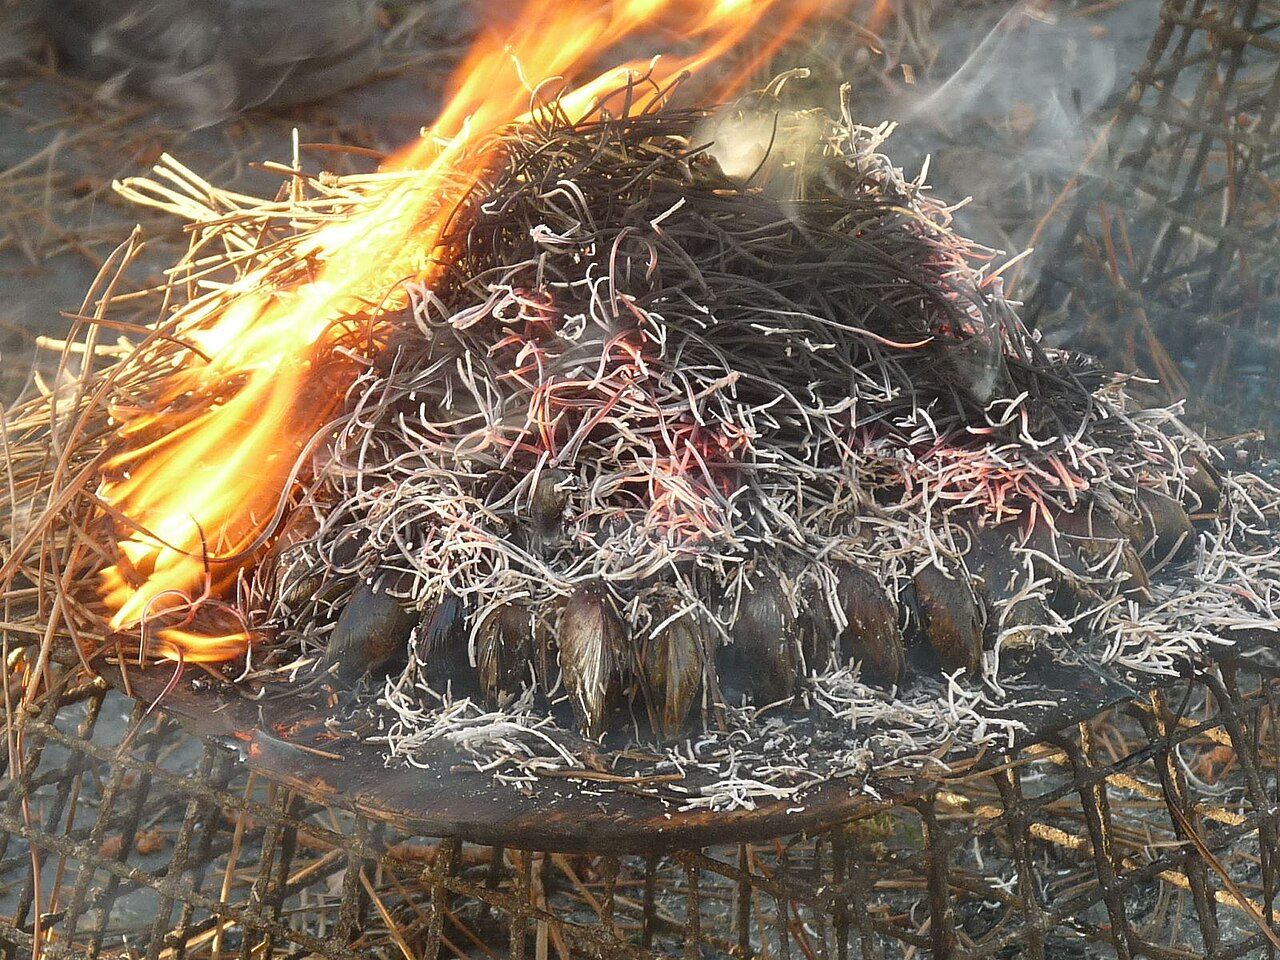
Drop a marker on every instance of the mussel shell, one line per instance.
(762, 658)
(1054, 559)
(1002, 575)
(590, 641)
(872, 634)
(504, 649)
(673, 667)
(441, 645)
(1093, 533)
(372, 627)
(1171, 534)
(1205, 483)
(547, 503)
(947, 617)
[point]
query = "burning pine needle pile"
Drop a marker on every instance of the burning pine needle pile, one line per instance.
(699, 422)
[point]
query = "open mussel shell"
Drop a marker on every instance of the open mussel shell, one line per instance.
(590, 646)
(673, 666)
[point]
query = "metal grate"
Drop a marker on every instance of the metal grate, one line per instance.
(1150, 830)
(1168, 262)
(1133, 834)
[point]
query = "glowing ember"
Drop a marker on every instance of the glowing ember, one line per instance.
(202, 466)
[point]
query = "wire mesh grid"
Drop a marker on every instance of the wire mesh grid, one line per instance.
(1167, 262)
(1148, 831)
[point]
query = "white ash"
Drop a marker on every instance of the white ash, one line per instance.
(1223, 590)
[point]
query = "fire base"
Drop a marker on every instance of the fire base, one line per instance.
(1150, 830)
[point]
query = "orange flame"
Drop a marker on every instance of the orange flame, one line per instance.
(208, 459)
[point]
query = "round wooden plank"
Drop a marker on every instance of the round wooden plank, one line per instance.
(285, 740)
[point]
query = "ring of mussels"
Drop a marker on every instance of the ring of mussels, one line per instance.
(700, 407)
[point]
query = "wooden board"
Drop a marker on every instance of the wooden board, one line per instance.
(286, 741)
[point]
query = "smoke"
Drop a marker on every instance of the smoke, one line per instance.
(1006, 114)
(740, 141)
(1033, 80)
(757, 140)
(213, 58)
(1012, 118)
